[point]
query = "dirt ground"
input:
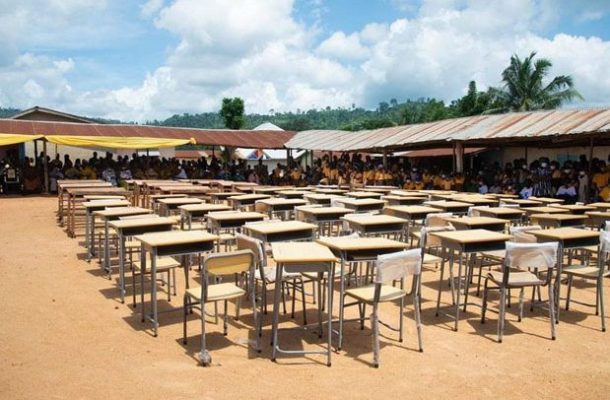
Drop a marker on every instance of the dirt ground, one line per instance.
(64, 334)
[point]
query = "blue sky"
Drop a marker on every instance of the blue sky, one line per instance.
(140, 60)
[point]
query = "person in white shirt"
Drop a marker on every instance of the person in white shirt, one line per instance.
(527, 190)
(567, 191)
(483, 189)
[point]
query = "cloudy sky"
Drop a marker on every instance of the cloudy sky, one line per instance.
(142, 60)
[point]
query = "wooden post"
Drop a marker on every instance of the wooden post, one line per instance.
(385, 158)
(459, 157)
(35, 152)
(45, 166)
(589, 175)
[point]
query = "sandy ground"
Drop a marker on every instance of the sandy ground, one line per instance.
(63, 334)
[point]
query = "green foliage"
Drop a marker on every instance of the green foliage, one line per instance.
(8, 112)
(232, 112)
(524, 89)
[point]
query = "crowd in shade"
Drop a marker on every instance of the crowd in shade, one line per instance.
(582, 180)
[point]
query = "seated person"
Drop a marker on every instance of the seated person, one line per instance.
(604, 194)
(527, 190)
(567, 192)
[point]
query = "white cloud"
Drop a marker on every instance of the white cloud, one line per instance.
(258, 50)
(338, 45)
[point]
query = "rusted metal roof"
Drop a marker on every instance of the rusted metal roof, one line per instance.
(260, 139)
(514, 128)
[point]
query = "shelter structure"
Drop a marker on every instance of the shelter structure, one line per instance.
(556, 128)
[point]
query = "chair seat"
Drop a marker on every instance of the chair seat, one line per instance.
(431, 259)
(226, 237)
(133, 244)
(220, 291)
(517, 279)
(367, 293)
(163, 264)
(313, 276)
(583, 271)
(270, 274)
(497, 255)
(197, 226)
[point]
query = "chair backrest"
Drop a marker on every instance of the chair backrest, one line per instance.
(426, 240)
(508, 205)
(604, 242)
(520, 234)
(260, 207)
(531, 255)
(396, 266)
(474, 211)
(234, 262)
(256, 246)
(437, 219)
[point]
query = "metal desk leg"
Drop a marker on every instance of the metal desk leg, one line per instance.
(276, 309)
(341, 300)
(330, 295)
(107, 266)
(153, 291)
(142, 269)
(91, 248)
(122, 266)
(440, 282)
(558, 280)
(87, 215)
(457, 292)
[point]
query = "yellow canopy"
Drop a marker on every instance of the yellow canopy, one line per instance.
(117, 142)
(9, 138)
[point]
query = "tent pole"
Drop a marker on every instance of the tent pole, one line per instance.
(36, 152)
(45, 166)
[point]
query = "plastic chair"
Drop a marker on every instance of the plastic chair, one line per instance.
(592, 272)
(521, 257)
(390, 268)
(236, 262)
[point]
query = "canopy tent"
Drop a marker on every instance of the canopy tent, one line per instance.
(517, 129)
(117, 142)
(7, 139)
(87, 133)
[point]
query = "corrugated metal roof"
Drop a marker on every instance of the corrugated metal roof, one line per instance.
(482, 129)
(214, 137)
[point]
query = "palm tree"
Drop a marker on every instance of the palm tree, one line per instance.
(524, 90)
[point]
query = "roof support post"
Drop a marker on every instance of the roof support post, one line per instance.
(45, 166)
(36, 152)
(459, 157)
(385, 158)
(589, 175)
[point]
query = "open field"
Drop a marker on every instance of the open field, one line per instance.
(64, 334)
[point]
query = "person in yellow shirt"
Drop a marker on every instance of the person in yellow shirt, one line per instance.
(600, 179)
(87, 172)
(427, 177)
(458, 182)
(419, 185)
(295, 175)
(369, 176)
(388, 178)
(379, 176)
(409, 184)
(447, 183)
(437, 181)
(604, 194)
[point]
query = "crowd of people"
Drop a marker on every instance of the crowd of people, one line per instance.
(541, 177)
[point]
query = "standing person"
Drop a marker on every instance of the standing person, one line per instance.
(542, 178)
(583, 186)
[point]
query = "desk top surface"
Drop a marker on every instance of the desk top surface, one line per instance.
(301, 252)
(172, 238)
